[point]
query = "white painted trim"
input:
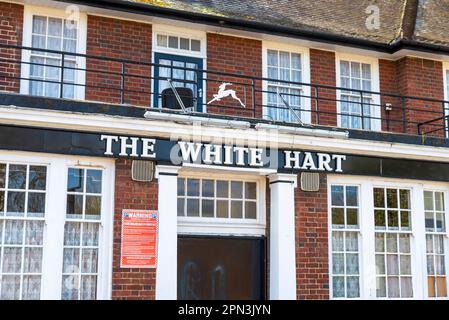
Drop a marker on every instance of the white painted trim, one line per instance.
(418, 240)
(282, 237)
(305, 65)
(167, 251)
(226, 226)
(376, 124)
(124, 125)
(171, 30)
(80, 76)
(55, 218)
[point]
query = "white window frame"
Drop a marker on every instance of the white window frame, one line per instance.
(80, 75)
(227, 226)
(376, 124)
(306, 116)
(56, 200)
(346, 230)
(367, 231)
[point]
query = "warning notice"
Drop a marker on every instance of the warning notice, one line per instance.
(139, 239)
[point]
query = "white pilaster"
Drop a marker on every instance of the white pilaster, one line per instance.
(167, 251)
(282, 237)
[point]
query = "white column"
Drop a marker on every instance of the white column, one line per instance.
(167, 251)
(282, 237)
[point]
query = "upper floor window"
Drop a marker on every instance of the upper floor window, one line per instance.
(50, 70)
(178, 57)
(286, 99)
(358, 107)
(178, 43)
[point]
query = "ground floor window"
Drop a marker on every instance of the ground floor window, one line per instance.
(388, 239)
(44, 253)
(221, 204)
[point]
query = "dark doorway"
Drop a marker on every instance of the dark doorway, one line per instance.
(221, 268)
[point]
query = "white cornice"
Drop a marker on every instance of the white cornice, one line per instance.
(155, 128)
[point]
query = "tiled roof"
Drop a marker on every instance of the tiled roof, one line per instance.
(426, 21)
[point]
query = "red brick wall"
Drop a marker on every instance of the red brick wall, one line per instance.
(421, 78)
(239, 56)
(388, 75)
(322, 71)
(312, 251)
(11, 25)
(121, 39)
(131, 283)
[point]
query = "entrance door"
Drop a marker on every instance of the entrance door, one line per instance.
(221, 268)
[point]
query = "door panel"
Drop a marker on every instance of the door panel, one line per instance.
(221, 268)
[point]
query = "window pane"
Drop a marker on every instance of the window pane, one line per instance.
(338, 219)
(38, 178)
(352, 218)
(39, 25)
(353, 287)
(250, 210)
(162, 40)
(379, 198)
(17, 176)
(352, 196)
(89, 260)
(236, 190)
(75, 180)
(34, 233)
(379, 219)
(184, 44)
(72, 234)
(392, 198)
(222, 209)
(196, 45)
(12, 260)
(222, 189)
(16, 204)
(250, 190)
(337, 195)
(36, 204)
(208, 188)
(181, 208)
(33, 260)
(193, 187)
(93, 181)
(338, 286)
(193, 208)
(55, 27)
(236, 209)
(93, 207)
(2, 175)
(75, 205)
(181, 187)
(10, 288)
(428, 200)
(337, 241)
(31, 289)
(173, 42)
(207, 208)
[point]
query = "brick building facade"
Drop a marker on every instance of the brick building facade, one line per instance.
(349, 132)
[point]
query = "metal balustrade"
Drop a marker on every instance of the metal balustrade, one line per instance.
(68, 75)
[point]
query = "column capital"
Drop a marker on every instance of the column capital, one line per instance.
(166, 170)
(283, 178)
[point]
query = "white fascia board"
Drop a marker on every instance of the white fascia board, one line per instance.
(165, 129)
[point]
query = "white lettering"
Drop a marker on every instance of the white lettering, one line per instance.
(216, 154)
(289, 159)
(240, 153)
(148, 148)
(324, 162)
(228, 155)
(308, 163)
(339, 159)
(190, 150)
(124, 146)
(256, 157)
(109, 140)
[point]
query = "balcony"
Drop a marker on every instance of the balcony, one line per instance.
(173, 88)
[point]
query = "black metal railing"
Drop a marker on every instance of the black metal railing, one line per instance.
(190, 90)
